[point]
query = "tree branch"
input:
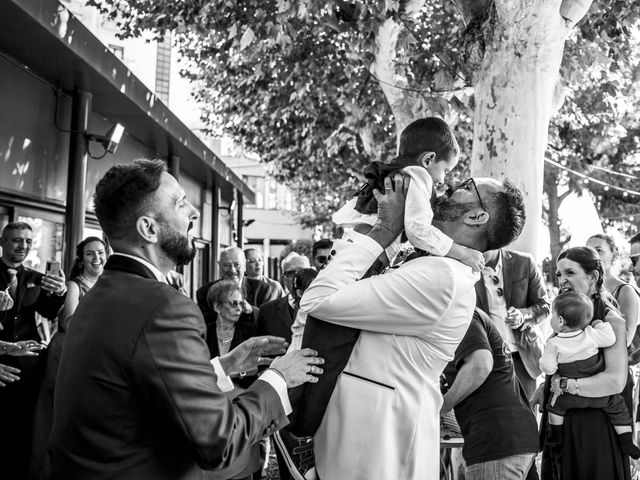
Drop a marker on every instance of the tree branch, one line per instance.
(472, 8)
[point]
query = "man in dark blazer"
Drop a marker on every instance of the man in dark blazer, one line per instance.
(512, 291)
(28, 292)
(277, 316)
(136, 396)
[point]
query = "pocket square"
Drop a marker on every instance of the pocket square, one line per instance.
(31, 285)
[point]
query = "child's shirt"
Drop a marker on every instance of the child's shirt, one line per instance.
(567, 347)
(418, 214)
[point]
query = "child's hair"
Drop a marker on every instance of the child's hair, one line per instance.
(429, 134)
(576, 309)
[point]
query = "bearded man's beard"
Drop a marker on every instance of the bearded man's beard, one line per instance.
(176, 245)
(447, 210)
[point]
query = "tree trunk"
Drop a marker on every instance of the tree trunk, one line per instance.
(555, 240)
(402, 102)
(514, 91)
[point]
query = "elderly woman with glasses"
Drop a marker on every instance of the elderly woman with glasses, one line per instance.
(225, 298)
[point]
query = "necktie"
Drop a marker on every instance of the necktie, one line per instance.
(13, 283)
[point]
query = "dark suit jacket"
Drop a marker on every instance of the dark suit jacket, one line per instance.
(524, 289)
(19, 323)
(136, 398)
(276, 318)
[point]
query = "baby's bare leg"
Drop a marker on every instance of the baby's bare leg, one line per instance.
(555, 419)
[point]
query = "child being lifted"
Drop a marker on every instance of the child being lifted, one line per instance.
(428, 152)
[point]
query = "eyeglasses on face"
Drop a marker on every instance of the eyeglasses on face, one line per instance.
(289, 273)
(468, 184)
(321, 259)
(233, 303)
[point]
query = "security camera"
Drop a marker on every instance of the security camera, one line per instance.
(113, 137)
(110, 140)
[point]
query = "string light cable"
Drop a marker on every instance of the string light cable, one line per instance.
(587, 178)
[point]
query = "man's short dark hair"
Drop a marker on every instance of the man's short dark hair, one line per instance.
(322, 243)
(507, 216)
(124, 193)
(12, 226)
(635, 238)
(576, 309)
(431, 134)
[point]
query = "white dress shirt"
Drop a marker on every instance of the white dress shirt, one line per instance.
(497, 304)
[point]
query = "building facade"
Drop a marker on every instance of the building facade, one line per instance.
(59, 84)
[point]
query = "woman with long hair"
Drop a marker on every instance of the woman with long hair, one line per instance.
(590, 449)
(91, 256)
(625, 294)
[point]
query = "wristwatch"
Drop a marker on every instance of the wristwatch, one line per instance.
(564, 384)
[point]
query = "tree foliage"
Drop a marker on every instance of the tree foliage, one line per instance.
(294, 82)
(597, 131)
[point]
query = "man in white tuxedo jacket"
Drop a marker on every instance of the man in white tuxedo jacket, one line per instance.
(382, 419)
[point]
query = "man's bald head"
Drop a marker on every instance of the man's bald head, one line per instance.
(232, 264)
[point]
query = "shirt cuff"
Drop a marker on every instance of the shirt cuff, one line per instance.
(225, 384)
(364, 241)
(280, 386)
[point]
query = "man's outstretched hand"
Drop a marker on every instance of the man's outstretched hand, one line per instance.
(251, 353)
(298, 367)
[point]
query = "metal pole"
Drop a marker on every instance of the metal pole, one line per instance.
(215, 227)
(77, 176)
(240, 208)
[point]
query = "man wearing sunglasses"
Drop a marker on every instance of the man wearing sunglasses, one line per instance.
(382, 421)
(320, 252)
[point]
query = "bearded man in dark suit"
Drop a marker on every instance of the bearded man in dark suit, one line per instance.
(136, 396)
(25, 292)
